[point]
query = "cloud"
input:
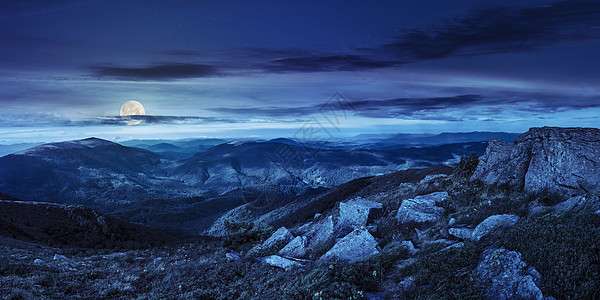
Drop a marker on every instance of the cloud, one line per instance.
(49, 119)
(433, 108)
(326, 63)
(182, 53)
(499, 30)
(121, 120)
(32, 119)
(166, 71)
(493, 30)
(388, 108)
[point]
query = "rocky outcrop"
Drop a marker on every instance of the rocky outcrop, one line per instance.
(492, 223)
(356, 212)
(507, 276)
(356, 246)
(422, 209)
(565, 160)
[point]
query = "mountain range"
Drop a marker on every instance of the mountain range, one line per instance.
(109, 176)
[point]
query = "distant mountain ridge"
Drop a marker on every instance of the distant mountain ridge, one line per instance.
(109, 177)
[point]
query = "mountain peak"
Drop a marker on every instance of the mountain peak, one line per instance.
(93, 142)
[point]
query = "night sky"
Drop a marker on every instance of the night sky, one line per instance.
(264, 68)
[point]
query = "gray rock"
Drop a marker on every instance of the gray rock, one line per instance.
(59, 257)
(280, 237)
(231, 256)
(356, 246)
(355, 213)
(280, 262)
(296, 248)
(506, 276)
(492, 223)
(422, 209)
(587, 203)
(38, 261)
(540, 158)
(462, 233)
(319, 232)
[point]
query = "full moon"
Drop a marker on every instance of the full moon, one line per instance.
(132, 108)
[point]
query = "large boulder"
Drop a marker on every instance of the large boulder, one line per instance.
(356, 246)
(281, 235)
(318, 232)
(356, 212)
(279, 238)
(565, 160)
(492, 223)
(422, 209)
(507, 276)
(296, 248)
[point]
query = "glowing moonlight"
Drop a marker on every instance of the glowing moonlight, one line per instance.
(132, 108)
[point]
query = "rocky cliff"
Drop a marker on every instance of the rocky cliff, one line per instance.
(565, 160)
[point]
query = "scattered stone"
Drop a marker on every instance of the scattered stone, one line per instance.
(280, 262)
(422, 209)
(507, 275)
(356, 246)
(451, 222)
(114, 255)
(463, 233)
(59, 257)
(231, 256)
(539, 159)
(38, 261)
(355, 213)
(492, 223)
(296, 248)
(442, 241)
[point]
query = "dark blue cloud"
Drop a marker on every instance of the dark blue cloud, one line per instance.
(499, 30)
(327, 63)
(122, 120)
(164, 71)
(426, 108)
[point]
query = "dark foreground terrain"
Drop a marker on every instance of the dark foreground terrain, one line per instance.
(564, 249)
(486, 228)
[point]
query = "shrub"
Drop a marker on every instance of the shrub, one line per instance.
(546, 197)
(446, 275)
(244, 232)
(466, 167)
(564, 249)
